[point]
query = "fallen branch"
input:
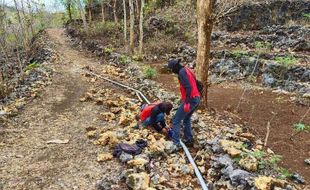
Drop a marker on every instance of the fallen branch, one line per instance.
(268, 129)
(267, 135)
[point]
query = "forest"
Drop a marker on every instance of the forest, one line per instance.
(155, 94)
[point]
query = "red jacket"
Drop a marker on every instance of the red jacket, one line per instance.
(188, 86)
(146, 112)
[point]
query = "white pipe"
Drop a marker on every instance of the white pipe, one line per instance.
(188, 154)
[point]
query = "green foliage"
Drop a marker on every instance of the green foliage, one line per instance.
(261, 164)
(137, 57)
(274, 160)
(239, 53)
(284, 173)
(124, 59)
(306, 15)
(32, 66)
(108, 29)
(108, 50)
(262, 45)
(258, 154)
(287, 60)
(237, 159)
(150, 73)
(301, 127)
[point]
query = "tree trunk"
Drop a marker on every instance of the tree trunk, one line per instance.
(102, 11)
(125, 22)
(141, 29)
(205, 26)
(24, 40)
(31, 17)
(132, 22)
(114, 12)
(137, 9)
(90, 5)
(82, 14)
(69, 11)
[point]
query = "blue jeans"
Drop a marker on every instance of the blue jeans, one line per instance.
(180, 116)
(159, 118)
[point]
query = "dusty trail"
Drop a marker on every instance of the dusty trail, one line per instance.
(27, 161)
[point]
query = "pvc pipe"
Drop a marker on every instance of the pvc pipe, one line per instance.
(187, 153)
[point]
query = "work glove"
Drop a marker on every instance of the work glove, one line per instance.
(187, 107)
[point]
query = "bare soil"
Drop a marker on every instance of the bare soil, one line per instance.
(255, 111)
(27, 161)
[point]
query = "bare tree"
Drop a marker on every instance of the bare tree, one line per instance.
(90, 6)
(81, 10)
(137, 9)
(131, 31)
(141, 28)
(125, 21)
(115, 11)
(21, 24)
(102, 11)
(31, 19)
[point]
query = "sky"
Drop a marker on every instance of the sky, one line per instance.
(51, 5)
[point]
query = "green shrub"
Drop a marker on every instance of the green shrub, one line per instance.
(284, 173)
(124, 59)
(32, 66)
(287, 60)
(306, 15)
(239, 52)
(137, 57)
(262, 45)
(150, 73)
(301, 127)
(274, 160)
(107, 29)
(108, 50)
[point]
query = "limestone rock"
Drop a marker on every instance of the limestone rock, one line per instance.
(138, 181)
(231, 147)
(267, 183)
(107, 116)
(249, 163)
(137, 162)
(233, 152)
(107, 138)
(104, 157)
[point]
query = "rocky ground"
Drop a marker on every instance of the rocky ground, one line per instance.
(64, 138)
(229, 155)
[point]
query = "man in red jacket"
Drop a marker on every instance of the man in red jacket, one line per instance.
(190, 101)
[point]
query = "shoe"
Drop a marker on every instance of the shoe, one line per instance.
(176, 148)
(189, 143)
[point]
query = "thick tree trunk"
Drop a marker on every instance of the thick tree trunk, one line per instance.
(82, 14)
(102, 11)
(205, 26)
(141, 28)
(125, 22)
(132, 22)
(114, 12)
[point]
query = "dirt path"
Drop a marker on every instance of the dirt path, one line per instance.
(27, 161)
